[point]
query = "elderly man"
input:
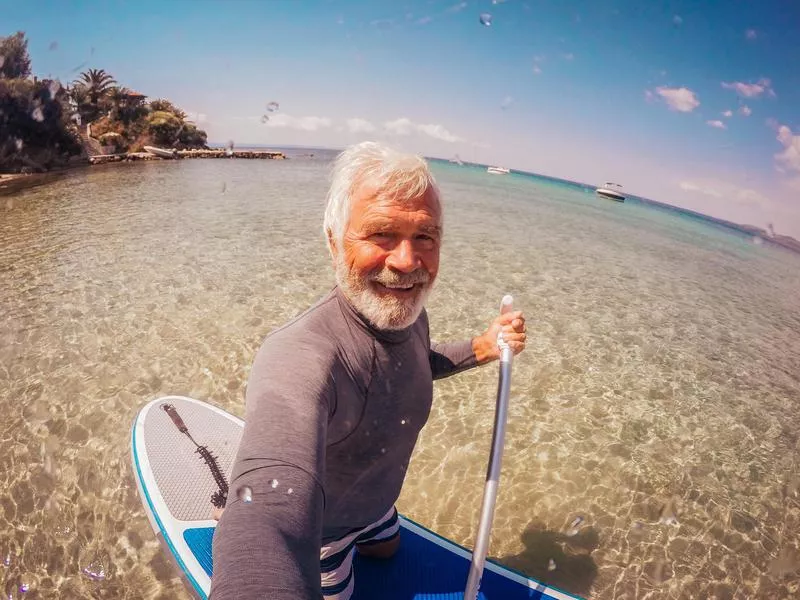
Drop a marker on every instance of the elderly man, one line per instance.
(337, 396)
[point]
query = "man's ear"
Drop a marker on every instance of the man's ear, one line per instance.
(332, 244)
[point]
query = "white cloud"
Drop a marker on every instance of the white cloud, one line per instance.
(677, 19)
(438, 132)
(568, 56)
(750, 34)
(457, 7)
(745, 111)
(424, 20)
(789, 158)
(751, 90)
(680, 99)
(727, 114)
(729, 192)
(717, 124)
(400, 126)
(507, 102)
(689, 186)
(356, 125)
(405, 126)
(302, 123)
(196, 117)
(537, 70)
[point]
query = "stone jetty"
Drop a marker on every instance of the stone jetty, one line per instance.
(220, 153)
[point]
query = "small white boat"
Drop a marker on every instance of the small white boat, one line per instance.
(612, 191)
(498, 171)
(162, 152)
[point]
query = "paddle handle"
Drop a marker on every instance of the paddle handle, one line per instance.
(495, 463)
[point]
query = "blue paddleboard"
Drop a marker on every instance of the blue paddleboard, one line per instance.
(176, 485)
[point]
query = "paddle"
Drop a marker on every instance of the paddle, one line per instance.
(495, 461)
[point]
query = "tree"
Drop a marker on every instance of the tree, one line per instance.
(192, 137)
(15, 62)
(35, 128)
(97, 83)
(164, 127)
(162, 105)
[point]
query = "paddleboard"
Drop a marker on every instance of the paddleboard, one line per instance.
(178, 474)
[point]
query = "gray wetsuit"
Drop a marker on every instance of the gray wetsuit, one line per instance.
(333, 411)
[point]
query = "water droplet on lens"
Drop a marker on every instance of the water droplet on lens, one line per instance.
(245, 494)
(273, 483)
(551, 565)
(486, 19)
(95, 571)
(272, 106)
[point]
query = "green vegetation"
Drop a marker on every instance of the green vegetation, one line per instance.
(36, 132)
(43, 124)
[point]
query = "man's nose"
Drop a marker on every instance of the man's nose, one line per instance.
(404, 258)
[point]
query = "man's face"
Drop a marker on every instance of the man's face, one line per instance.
(390, 256)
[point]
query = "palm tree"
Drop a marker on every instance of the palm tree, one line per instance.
(97, 82)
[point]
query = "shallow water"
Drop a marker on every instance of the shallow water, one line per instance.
(657, 399)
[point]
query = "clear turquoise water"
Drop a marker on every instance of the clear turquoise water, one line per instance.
(661, 377)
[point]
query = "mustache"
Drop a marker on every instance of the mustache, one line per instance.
(388, 277)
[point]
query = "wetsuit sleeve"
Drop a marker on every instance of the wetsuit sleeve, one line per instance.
(269, 546)
(450, 358)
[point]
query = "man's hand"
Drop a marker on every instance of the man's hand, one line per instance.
(513, 327)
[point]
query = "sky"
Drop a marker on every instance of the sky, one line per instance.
(695, 104)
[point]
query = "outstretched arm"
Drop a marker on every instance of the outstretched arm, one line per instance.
(450, 358)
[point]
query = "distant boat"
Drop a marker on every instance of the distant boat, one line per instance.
(162, 152)
(612, 191)
(498, 171)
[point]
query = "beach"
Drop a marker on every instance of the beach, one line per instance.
(657, 399)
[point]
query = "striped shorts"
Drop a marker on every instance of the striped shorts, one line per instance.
(336, 559)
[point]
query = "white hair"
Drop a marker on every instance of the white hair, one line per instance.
(395, 174)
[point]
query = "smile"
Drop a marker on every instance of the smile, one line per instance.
(396, 289)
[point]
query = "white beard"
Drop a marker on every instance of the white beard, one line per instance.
(383, 312)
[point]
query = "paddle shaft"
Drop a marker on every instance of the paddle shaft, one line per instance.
(493, 472)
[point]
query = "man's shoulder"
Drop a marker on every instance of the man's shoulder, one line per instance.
(318, 323)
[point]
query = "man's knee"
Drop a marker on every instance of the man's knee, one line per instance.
(380, 548)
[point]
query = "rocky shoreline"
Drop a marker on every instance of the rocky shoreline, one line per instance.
(14, 182)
